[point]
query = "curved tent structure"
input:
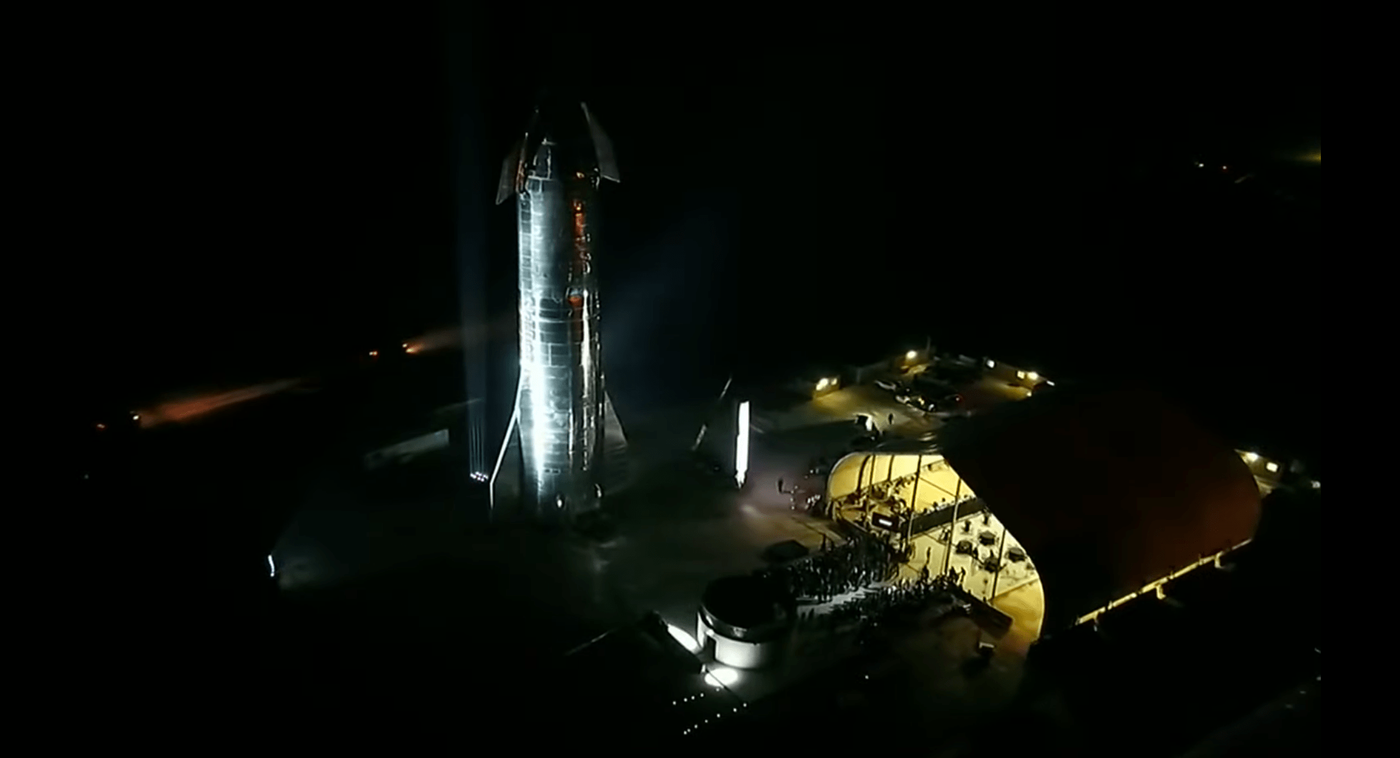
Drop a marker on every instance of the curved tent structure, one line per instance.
(1107, 491)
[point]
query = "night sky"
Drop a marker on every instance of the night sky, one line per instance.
(270, 188)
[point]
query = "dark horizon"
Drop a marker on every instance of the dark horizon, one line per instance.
(302, 189)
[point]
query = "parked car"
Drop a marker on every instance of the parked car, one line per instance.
(950, 402)
(918, 402)
(864, 442)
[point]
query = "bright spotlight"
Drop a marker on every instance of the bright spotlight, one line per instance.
(911, 355)
(135, 417)
(741, 446)
(721, 676)
(682, 636)
(1251, 456)
(1272, 467)
(822, 383)
(1033, 376)
(374, 353)
(1020, 375)
(1316, 484)
(271, 567)
(991, 364)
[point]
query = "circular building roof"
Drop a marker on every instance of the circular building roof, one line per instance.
(746, 602)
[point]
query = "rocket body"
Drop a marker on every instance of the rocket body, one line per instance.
(554, 174)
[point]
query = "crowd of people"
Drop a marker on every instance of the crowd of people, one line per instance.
(878, 603)
(838, 570)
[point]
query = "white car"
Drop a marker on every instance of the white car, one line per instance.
(886, 385)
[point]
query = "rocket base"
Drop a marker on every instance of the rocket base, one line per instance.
(507, 483)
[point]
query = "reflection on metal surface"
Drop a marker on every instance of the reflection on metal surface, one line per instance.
(561, 409)
(407, 449)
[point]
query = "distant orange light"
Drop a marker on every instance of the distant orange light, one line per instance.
(411, 349)
(374, 353)
(100, 427)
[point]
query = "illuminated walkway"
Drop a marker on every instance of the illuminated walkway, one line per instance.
(885, 484)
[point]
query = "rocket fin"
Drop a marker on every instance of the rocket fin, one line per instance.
(607, 160)
(510, 462)
(509, 183)
(617, 465)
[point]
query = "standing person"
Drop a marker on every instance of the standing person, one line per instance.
(780, 484)
(891, 419)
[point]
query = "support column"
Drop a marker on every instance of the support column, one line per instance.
(1001, 558)
(952, 535)
(914, 501)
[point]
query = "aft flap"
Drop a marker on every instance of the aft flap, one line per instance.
(617, 464)
(510, 174)
(607, 160)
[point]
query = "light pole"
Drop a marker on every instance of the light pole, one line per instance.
(913, 504)
(952, 535)
(1001, 557)
(860, 478)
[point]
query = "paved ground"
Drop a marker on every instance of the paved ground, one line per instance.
(989, 391)
(843, 405)
(679, 531)
(362, 539)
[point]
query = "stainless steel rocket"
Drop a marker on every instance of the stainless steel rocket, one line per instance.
(571, 445)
